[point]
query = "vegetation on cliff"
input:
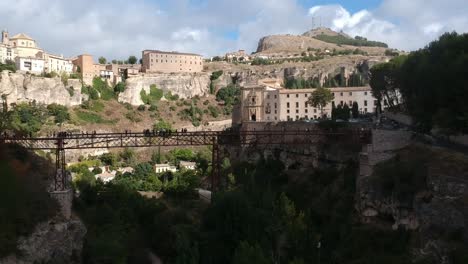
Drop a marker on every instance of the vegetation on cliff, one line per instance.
(343, 40)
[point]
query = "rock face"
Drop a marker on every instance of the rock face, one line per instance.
(438, 208)
(333, 66)
(185, 85)
(54, 241)
(19, 87)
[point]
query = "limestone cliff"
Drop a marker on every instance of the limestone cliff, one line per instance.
(18, 87)
(331, 66)
(185, 85)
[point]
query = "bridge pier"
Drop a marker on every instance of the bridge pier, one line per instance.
(65, 200)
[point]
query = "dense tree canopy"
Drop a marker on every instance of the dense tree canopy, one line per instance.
(320, 98)
(433, 83)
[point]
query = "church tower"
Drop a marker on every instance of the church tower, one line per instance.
(5, 38)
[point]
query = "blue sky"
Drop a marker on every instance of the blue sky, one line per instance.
(119, 28)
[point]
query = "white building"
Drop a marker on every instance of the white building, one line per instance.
(188, 165)
(31, 65)
(58, 64)
(6, 53)
(160, 168)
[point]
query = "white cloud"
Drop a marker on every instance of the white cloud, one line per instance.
(119, 28)
(417, 22)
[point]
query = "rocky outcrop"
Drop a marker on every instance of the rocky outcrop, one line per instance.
(53, 241)
(18, 87)
(185, 85)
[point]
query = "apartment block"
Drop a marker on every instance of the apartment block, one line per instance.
(156, 61)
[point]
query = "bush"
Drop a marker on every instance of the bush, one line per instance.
(171, 97)
(60, 113)
(206, 102)
(96, 106)
(119, 88)
(141, 108)
(8, 66)
(162, 125)
(172, 108)
(27, 119)
(213, 111)
(229, 94)
(153, 108)
(133, 116)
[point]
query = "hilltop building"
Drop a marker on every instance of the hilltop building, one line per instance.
(24, 51)
(240, 55)
(156, 61)
(273, 104)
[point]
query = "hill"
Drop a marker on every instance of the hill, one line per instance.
(319, 38)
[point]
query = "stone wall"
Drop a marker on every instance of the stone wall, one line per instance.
(18, 87)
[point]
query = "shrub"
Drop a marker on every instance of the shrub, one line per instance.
(206, 102)
(133, 116)
(213, 111)
(153, 108)
(154, 96)
(119, 88)
(96, 106)
(162, 125)
(172, 108)
(91, 117)
(141, 108)
(104, 89)
(60, 112)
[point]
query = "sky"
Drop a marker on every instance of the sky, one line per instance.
(116, 29)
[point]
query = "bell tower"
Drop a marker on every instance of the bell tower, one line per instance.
(5, 37)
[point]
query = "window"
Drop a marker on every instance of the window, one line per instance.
(315, 110)
(275, 96)
(365, 93)
(275, 105)
(297, 104)
(276, 111)
(268, 96)
(297, 95)
(275, 118)
(350, 103)
(341, 94)
(365, 102)
(306, 117)
(297, 117)
(287, 104)
(287, 111)
(350, 93)
(305, 104)
(297, 111)
(315, 116)
(307, 110)
(287, 96)
(365, 110)
(288, 118)
(305, 95)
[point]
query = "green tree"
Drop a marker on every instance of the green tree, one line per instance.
(162, 125)
(132, 60)
(102, 60)
(128, 156)
(247, 254)
(59, 112)
(345, 112)
(320, 98)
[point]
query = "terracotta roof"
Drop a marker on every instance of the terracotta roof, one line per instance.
(21, 36)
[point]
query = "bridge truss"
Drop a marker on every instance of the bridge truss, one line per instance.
(67, 141)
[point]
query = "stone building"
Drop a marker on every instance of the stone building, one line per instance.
(22, 49)
(155, 61)
(272, 104)
(30, 64)
(84, 64)
(240, 55)
(121, 72)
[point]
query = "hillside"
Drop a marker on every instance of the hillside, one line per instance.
(320, 38)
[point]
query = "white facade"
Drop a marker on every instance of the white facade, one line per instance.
(160, 168)
(58, 64)
(6, 53)
(187, 165)
(31, 65)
